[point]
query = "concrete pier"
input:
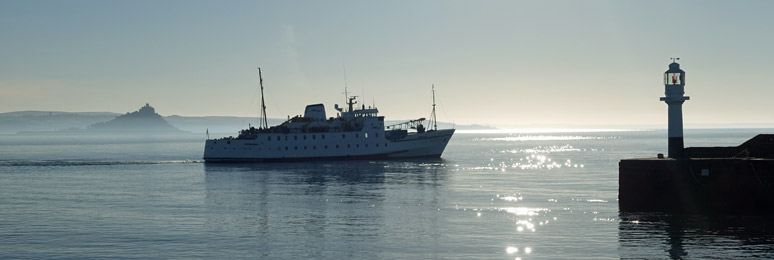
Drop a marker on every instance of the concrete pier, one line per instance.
(708, 180)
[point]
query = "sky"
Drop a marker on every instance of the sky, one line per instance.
(501, 63)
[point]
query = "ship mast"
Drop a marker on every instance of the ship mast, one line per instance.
(262, 122)
(435, 120)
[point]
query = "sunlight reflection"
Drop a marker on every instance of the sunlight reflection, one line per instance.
(523, 211)
(545, 149)
(521, 138)
(511, 250)
(510, 198)
(539, 131)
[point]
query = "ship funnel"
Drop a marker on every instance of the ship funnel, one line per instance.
(316, 111)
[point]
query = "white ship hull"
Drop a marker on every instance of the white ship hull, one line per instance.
(327, 146)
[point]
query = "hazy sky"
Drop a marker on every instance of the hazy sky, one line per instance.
(492, 62)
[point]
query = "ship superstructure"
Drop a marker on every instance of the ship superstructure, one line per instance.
(353, 134)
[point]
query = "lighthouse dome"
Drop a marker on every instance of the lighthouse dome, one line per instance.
(674, 67)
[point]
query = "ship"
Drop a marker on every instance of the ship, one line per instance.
(355, 133)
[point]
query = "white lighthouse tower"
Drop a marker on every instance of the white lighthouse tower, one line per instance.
(674, 88)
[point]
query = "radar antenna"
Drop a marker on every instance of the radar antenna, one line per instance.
(432, 116)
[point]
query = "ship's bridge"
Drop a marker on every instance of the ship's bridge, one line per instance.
(353, 113)
(369, 112)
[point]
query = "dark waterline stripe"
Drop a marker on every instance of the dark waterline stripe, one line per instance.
(18, 163)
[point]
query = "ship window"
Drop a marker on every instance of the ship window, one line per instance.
(304, 147)
(343, 136)
(286, 138)
(278, 138)
(365, 135)
(366, 145)
(286, 148)
(337, 146)
(377, 145)
(295, 137)
(357, 135)
(304, 137)
(322, 136)
(269, 138)
(357, 145)
(348, 146)
(385, 144)
(296, 148)
(314, 137)
(326, 146)
(314, 147)
(376, 134)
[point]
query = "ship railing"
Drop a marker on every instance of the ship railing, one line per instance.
(412, 124)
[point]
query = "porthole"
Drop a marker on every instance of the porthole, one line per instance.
(343, 136)
(304, 137)
(357, 135)
(269, 138)
(337, 146)
(377, 145)
(314, 137)
(365, 135)
(348, 146)
(357, 146)
(295, 148)
(295, 137)
(322, 136)
(278, 138)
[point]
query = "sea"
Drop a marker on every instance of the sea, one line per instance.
(496, 194)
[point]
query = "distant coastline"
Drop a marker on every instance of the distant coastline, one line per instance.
(56, 122)
(143, 121)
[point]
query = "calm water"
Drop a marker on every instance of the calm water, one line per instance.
(492, 196)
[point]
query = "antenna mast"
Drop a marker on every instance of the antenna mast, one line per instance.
(262, 122)
(435, 120)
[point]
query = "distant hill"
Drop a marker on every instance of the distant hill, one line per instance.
(47, 121)
(145, 120)
(56, 113)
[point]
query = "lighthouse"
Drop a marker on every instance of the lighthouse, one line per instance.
(674, 88)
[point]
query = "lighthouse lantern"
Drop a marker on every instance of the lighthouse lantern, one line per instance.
(674, 76)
